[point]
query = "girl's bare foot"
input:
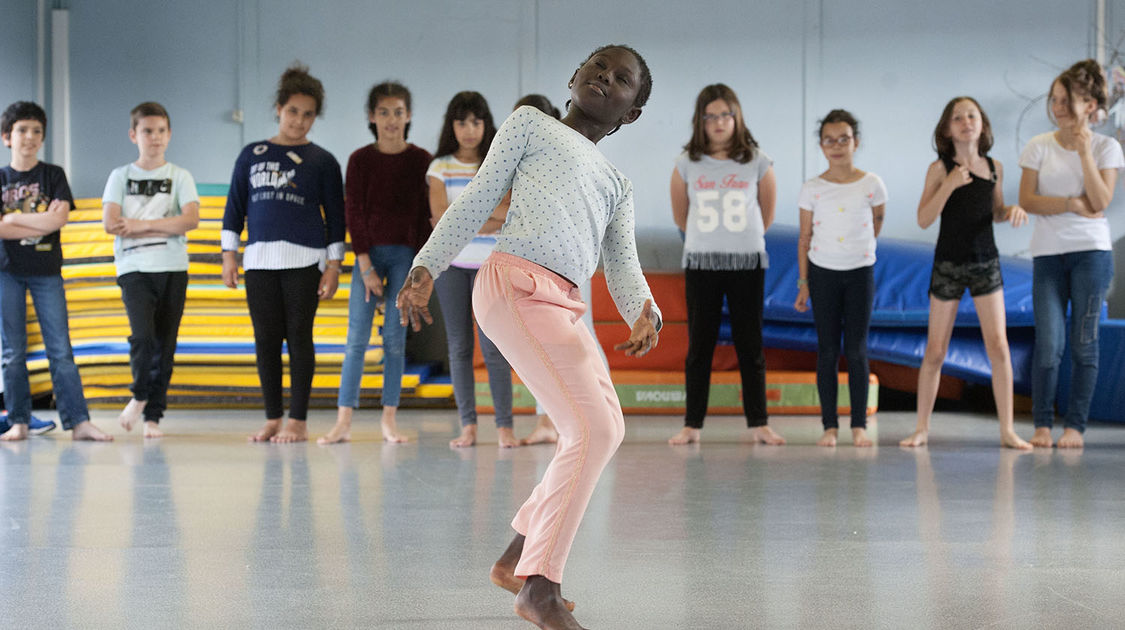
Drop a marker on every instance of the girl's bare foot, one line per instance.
(266, 433)
(543, 433)
(152, 430)
(1042, 438)
(828, 439)
(390, 427)
(294, 431)
(503, 573)
(765, 435)
(540, 601)
(15, 434)
(918, 438)
(131, 414)
(1009, 439)
(467, 438)
(687, 435)
(86, 431)
(1071, 439)
(341, 432)
(506, 437)
(859, 437)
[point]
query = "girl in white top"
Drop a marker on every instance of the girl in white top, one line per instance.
(466, 135)
(841, 214)
(723, 196)
(569, 208)
(1068, 181)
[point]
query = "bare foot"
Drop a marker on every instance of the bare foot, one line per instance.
(503, 573)
(294, 431)
(1071, 439)
(540, 601)
(467, 438)
(15, 434)
(687, 435)
(131, 414)
(86, 431)
(1011, 440)
(390, 426)
(543, 433)
(506, 437)
(829, 438)
(918, 438)
(859, 437)
(765, 435)
(1042, 438)
(266, 433)
(152, 430)
(341, 432)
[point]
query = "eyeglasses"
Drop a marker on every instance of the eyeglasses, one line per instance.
(842, 141)
(717, 117)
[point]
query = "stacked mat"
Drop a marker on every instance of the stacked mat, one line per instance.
(215, 364)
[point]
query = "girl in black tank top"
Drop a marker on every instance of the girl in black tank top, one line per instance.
(968, 201)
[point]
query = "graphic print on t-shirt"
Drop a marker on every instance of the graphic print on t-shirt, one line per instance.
(146, 199)
(25, 197)
(720, 203)
(268, 182)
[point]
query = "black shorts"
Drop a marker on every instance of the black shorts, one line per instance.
(948, 280)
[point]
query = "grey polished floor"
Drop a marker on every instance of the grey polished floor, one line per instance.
(202, 530)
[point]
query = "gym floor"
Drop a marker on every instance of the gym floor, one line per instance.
(203, 530)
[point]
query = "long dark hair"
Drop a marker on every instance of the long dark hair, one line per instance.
(743, 144)
(460, 106)
(943, 140)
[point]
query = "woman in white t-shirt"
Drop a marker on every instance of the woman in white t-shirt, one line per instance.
(466, 135)
(723, 195)
(1068, 181)
(841, 214)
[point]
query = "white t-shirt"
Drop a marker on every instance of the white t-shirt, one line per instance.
(1060, 175)
(455, 175)
(843, 234)
(156, 194)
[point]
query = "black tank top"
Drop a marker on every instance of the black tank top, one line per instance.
(965, 234)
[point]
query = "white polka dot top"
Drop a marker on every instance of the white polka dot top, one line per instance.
(569, 205)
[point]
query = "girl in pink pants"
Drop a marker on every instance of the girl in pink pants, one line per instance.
(570, 207)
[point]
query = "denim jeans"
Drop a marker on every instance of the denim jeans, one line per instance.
(842, 303)
(455, 291)
(1082, 279)
(392, 264)
(49, 298)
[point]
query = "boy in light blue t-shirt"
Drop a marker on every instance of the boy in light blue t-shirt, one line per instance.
(149, 205)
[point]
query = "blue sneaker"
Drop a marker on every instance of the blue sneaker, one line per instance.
(38, 427)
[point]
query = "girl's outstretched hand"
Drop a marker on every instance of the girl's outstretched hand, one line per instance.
(802, 303)
(414, 299)
(643, 337)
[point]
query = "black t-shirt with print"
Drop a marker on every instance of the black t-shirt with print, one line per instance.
(33, 191)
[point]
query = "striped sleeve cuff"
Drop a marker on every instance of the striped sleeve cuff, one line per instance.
(335, 251)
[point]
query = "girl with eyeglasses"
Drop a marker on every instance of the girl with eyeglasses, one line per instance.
(723, 195)
(841, 215)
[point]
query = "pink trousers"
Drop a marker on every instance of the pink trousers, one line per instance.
(533, 315)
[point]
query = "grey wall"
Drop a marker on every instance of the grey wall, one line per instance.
(894, 64)
(18, 51)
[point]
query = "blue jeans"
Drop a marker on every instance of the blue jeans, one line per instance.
(49, 298)
(455, 292)
(1082, 279)
(392, 264)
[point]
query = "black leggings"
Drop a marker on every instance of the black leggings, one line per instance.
(282, 307)
(154, 303)
(842, 301)
(704, 291)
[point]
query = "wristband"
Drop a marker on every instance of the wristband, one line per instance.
(367, 272)
(801, 282)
